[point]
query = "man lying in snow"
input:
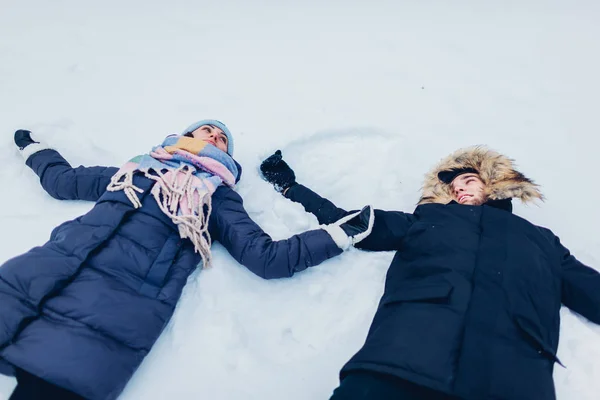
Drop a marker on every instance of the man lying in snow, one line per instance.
(472, 297)
(79, 314)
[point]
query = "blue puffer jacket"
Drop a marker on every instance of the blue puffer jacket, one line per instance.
(83, 310)
(472, 298)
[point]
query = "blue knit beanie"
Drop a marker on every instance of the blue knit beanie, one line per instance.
(219, 125)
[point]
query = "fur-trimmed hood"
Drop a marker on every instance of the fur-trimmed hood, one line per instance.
(496, 171)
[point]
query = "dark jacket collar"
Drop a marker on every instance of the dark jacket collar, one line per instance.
(504, 204)
(239, 167)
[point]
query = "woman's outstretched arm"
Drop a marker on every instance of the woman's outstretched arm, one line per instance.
(231, 225)
(58, 177)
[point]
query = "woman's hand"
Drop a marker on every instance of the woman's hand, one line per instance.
(353, 228)
(278, 173)
(23, 138)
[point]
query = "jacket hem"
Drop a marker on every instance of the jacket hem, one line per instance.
(400, 373)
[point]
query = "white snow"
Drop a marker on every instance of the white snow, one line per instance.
(362, 97)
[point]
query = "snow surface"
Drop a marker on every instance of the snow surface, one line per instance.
(362, 97)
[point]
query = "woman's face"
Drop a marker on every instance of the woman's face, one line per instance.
(210, 134)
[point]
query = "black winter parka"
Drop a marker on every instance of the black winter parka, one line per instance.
(472, 298)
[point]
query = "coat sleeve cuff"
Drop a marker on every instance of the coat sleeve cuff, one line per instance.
(286, 193)
(338, 235)
(33, 148)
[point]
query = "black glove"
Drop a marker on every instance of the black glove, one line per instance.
(277, 172)
(360, 225)
(23, 138)
(352, 228)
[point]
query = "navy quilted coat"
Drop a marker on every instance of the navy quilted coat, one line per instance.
(83, 310)
(472, 298)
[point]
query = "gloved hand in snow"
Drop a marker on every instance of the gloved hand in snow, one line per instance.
(27, 146)
(23, 138)
(277, 172)
(352, 228)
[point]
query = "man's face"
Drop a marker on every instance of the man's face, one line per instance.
(468, 189)
(210, 134)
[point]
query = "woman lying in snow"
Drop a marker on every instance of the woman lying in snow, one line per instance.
(79, 314)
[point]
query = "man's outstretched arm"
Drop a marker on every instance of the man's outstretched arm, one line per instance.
(580, 286)
(389, 227)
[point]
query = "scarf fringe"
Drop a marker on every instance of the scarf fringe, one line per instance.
(123, 180)
(169, 193)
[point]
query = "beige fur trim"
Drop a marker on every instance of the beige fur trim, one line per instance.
(495, 170)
